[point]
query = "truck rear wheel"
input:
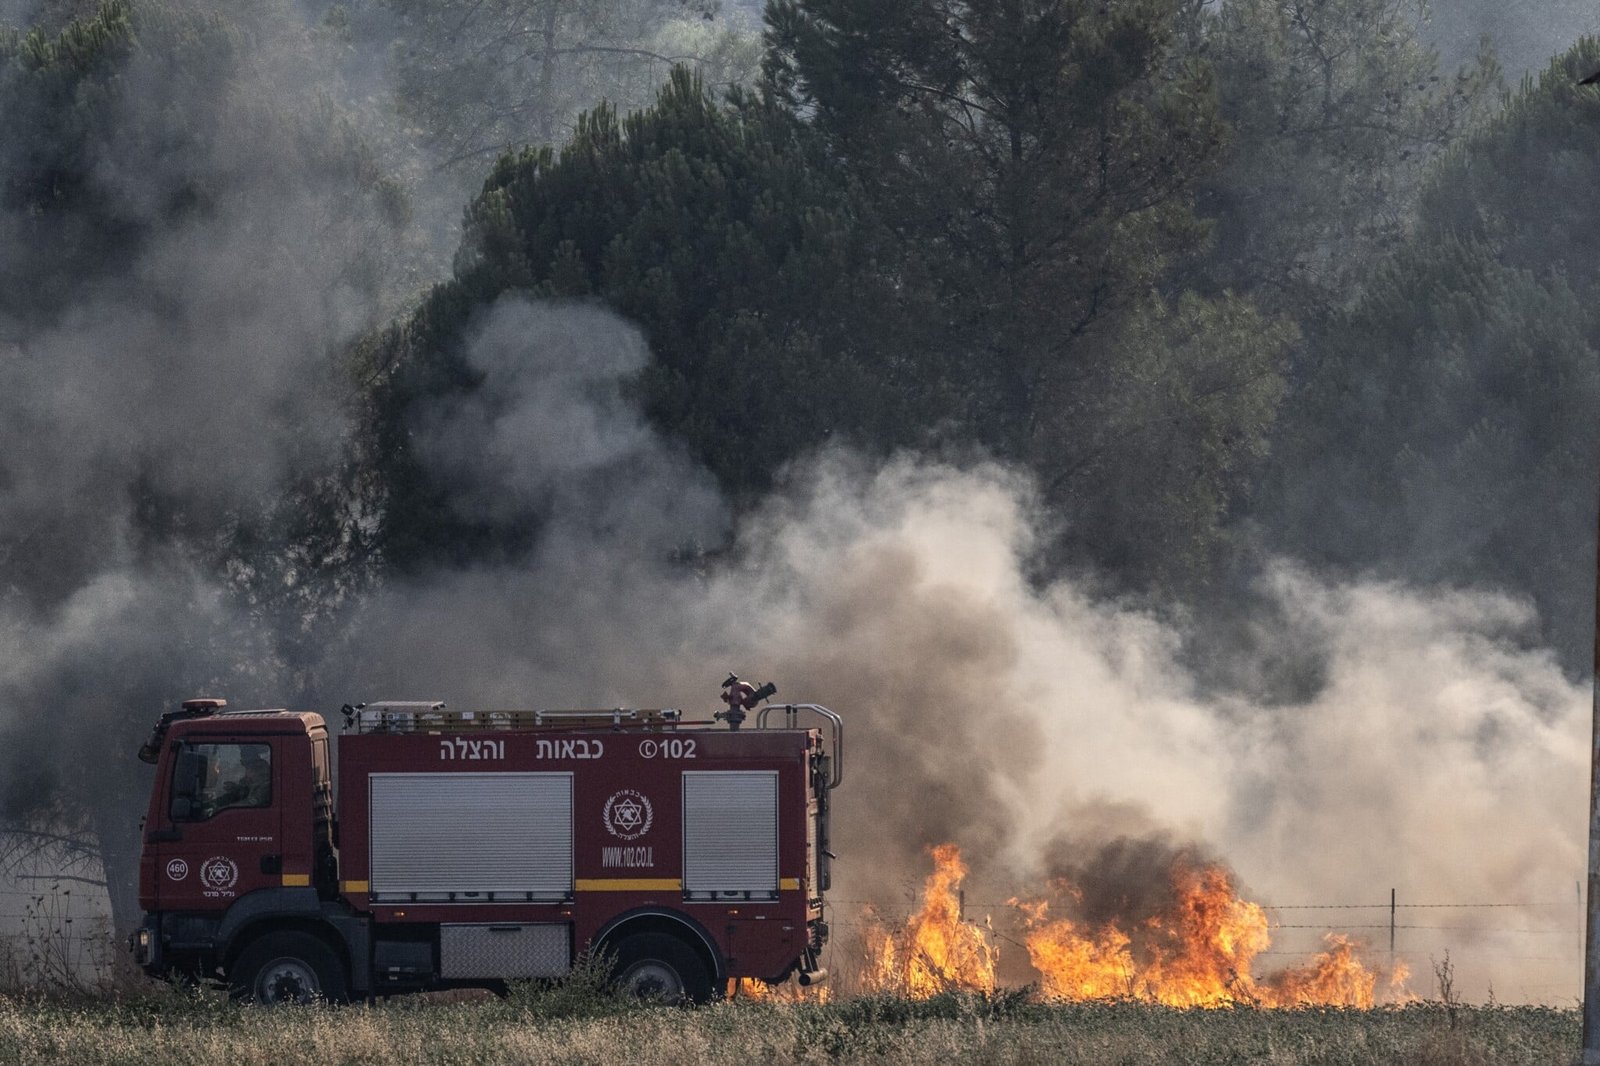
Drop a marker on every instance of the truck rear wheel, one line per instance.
(288, 968)
(661, 969)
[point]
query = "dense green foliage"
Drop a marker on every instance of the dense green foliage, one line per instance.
(1081, 238)
(1336, 108)
(910, 237)
(724, 232)
(55, 92)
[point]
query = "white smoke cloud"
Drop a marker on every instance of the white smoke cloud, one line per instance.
(550, 432)
(1440, 755)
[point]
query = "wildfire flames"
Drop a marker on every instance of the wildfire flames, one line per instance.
(757, 991)
(936, 951)
(1196, 951)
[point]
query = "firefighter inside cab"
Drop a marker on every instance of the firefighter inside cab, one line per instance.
(235, 775)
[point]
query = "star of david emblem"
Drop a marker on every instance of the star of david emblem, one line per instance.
(627, 814)
(219, 872)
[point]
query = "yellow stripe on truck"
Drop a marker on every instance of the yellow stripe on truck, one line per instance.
(629, 884)
(296, 880)
(355, 886)
(654, 884)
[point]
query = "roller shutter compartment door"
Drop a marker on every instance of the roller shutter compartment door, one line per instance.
(730, 834)
(471, 837)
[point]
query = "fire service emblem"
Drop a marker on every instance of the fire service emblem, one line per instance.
(219, 872)
(628, 814)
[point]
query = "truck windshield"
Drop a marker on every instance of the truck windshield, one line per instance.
(225, 776)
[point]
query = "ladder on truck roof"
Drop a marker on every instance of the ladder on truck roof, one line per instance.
(422, 716)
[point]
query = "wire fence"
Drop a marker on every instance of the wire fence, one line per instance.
(1502, 950)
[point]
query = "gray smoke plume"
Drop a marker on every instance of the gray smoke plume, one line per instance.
(170, 394)
(1028, 722)
(1038, 727)
(1524, 36)
(550, 432)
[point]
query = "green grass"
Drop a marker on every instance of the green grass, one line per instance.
(540, 1026)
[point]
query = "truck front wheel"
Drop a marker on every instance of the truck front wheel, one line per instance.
(287, 968)
(661, 968)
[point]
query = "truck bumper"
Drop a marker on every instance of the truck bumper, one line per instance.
(168, 942)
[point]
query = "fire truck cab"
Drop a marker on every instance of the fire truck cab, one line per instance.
(474, 848)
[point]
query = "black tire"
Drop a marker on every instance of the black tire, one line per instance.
(659, 968)
(288, 968)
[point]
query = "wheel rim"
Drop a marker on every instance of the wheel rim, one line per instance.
(652, 979)
(287, 981)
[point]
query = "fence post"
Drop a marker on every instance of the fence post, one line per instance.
(1591, 941)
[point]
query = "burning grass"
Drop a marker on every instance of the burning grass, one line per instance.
(1186, 940)
(1168, 980)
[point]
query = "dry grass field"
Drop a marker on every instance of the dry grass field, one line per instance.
(557, 1026)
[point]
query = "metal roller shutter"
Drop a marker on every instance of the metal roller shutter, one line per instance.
(730, 834)
(471, 836)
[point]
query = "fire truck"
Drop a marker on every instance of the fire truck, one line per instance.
(472, 848)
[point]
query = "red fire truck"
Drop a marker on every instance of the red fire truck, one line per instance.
(473, 848)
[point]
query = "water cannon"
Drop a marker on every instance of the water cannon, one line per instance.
(742, 697)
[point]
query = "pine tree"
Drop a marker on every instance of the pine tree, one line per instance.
(724, 233)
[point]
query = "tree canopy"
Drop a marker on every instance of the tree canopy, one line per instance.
(1448, 431)
(1218, 279)
(935, 225)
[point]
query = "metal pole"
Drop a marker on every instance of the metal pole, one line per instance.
(1591, 940)
(1391, 929)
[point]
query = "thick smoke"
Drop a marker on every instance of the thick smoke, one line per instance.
(172, 397)
(1036, 726)
(551, 433)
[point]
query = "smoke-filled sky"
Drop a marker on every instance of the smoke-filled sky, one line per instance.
(1524, 35)
(1439, 756)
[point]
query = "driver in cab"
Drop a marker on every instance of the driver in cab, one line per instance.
(253, 786)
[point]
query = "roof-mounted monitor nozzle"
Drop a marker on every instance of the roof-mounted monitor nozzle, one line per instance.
(742, 696)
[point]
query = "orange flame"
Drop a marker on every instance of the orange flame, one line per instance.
(758, 991)
(1198, 951)
(936, 951)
